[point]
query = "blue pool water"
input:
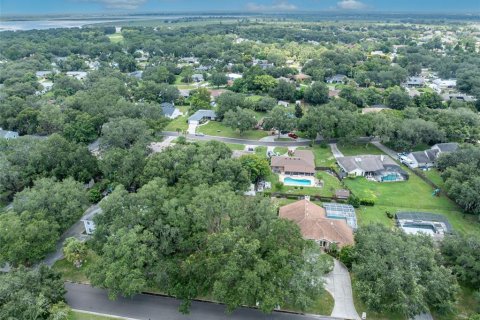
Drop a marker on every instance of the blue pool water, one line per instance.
(297, 182)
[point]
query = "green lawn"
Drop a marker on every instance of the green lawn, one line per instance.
(358, 149)
(323, 156)
(77, 315)
(411, 195)
(215, 128)
(331, 184)
(323, 305)
(235, 146)
(178, 123)
(261, 151)
(434, 176)
(281, 150)
(116, 37)
(70, 272)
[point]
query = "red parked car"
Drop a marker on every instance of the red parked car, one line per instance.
(292, 135)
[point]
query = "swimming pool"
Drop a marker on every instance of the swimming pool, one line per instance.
(414, 228)
(297, 182)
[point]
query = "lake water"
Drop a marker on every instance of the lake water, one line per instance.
(77, 22)
(44, 24)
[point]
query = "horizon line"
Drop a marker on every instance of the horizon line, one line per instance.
(246, 12)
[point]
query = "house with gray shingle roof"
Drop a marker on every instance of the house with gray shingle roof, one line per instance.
(427, 158)
(6, 134)
(169, 110)
(375, 167)
(202, 115)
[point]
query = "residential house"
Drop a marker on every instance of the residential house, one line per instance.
(136, 74)
(445, 84)
(79, 75)
(198, 77)
(215, 93)
(338, 78)
(426, 159)
(202, 115)
(264, 64)
(376, 167)
(169, 110)
(375, 108)
(421, 159)
(189, 60)
(301, 77)
(301, 163)
(234, 76)
(6, 134)
(415, 82)
(458, 96)
(43, 74)
(185, 93)
(316, 226)
(445, 147)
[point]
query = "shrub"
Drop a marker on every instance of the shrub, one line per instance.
(279, 185)
(181, 140)
(389, 214)
(346, 256)
(354, 201)
(95, 194)
(367, 202)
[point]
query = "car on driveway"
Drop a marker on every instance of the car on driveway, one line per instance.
(293, 135)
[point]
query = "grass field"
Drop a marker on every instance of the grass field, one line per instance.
(281, 150)
(77, 315)
(235, 146)
(434, 176)
(323, 305)
(215, 128)
(70, 272)
(411, 195)
(323, 156)
(178, 123)
(261, 151)
(116, 37)
(358, 149)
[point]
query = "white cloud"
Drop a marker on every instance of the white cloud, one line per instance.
(351, 5)
(119, 4)
(277, 5)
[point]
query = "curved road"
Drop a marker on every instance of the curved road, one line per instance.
(256, 142)
(153, 307)
(240, 141)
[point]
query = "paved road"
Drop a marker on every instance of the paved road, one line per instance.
(242, 141)
(74, 231)
(339, 285)
(143, 307)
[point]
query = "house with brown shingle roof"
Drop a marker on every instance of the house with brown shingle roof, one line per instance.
(314, 224)
(301, 163)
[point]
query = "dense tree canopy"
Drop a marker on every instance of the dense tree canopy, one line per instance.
(399, 273)
(32, 294)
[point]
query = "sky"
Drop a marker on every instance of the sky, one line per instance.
(264, 6)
